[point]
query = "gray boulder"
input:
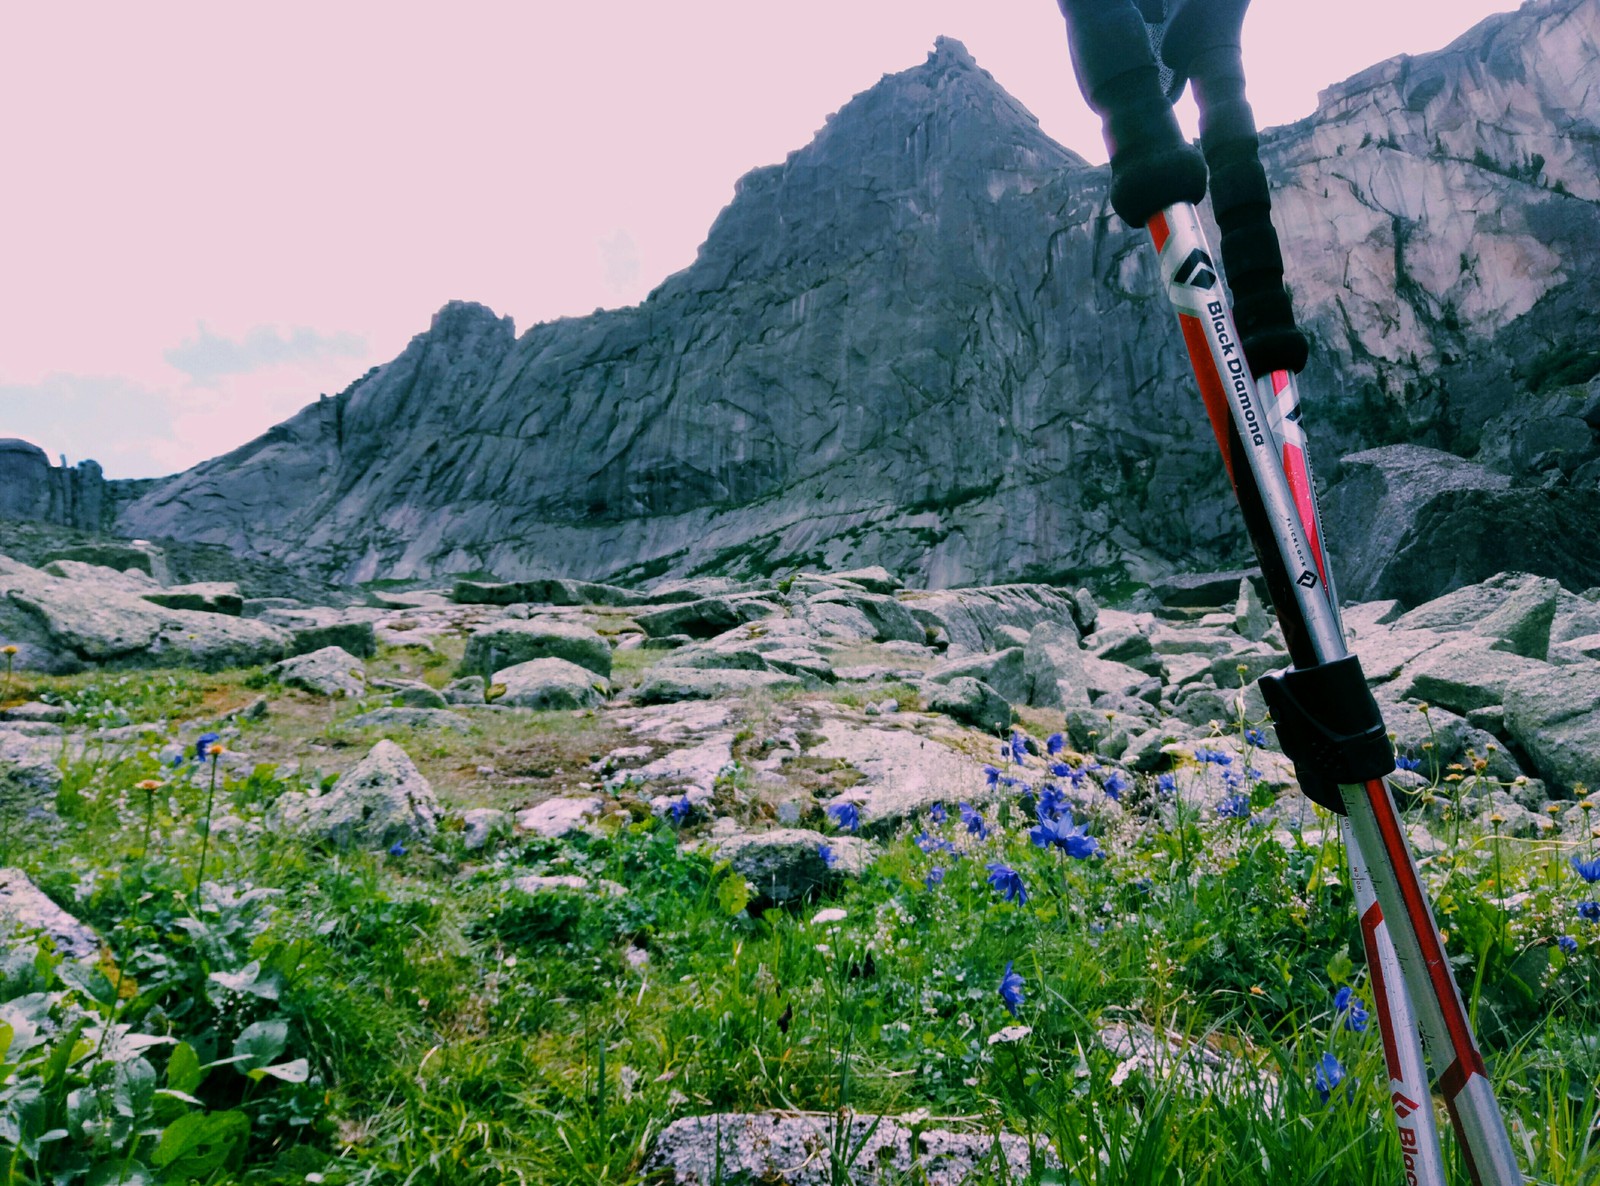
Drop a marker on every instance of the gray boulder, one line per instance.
(968, 617)
(382, 800)
(706, 617)
(798, 1151)
(1203, 590)
(312, 628)
(1055, 667)
(408, 718)
(63, 625)
(663, 685)
(410, 693)
(505, 644)
(480, 825)
(25, 911)
(972, 702)
(213, 597)
(558, 817)
(543, 591)
(30, 771)
(887, 618)
(874, 579)
(1005, 671)
(1463, 673)
(332, 671)
(1553, 713)
(466, 690)
(548, 684)
(786, 864)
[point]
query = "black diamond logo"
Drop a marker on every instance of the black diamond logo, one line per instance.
(1196, 271)
(1306, 580)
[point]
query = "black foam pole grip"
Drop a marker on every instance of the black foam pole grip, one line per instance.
(1152, 166)
(1251, 254)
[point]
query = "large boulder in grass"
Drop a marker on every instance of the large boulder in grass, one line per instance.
(500, 645)
(311, 628)
(1553, 713)
(972, 702)
(95, 617)
(30, 772)
(1056, 667)
(705, 617)
(797, 1151)
(548, 684)
(784, 864)
(382, 800)
(332, 671)
(887, 619)
(26, 912)
(208, 597)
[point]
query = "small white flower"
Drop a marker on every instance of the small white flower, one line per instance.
(831, 914)
(1011, 1033)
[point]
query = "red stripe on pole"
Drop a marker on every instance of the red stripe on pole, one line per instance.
(1370, 922)
(1463, 1144)
(1211, 389)
(1159, 230)
(1433, 957)
(1295, 469)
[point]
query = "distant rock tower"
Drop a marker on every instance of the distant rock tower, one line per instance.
(31, 488)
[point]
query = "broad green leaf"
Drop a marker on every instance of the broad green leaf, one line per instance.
(296, 1070)
(261, 1043)
(733, 893)
(183, 1069)
(193, 1146)
(249, 980)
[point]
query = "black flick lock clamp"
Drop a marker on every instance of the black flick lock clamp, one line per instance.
(1330, 727)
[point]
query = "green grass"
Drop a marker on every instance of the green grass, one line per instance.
(456, 1030)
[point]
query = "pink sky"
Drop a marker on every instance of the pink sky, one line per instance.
(213, 212)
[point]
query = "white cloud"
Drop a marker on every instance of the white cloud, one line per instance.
(206, 357)
(123, 419)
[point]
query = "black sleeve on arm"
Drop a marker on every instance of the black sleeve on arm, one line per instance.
(1152, 166)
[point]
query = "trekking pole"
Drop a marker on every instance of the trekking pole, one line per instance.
(1327, 720)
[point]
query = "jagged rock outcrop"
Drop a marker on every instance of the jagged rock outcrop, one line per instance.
(33, 489)
(923, 341)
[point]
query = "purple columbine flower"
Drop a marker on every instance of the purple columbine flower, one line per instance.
(845, 816)
(1567, 943)
(1011, 989)
(829, 857)
(1404, 763)
(397, 849)
(203, 744)
(1051, 803)
(1007, 883)
(1019, 748)
(1115, 784)
(972, 820)
(1589, 911)
(1329, 1074)
(1072, 838)
(1167, 784)
(991, 775)
(1353, 1008)
(1054, 744)
(1234, 807)
(931, 844)
(935, 877)
(938, 814)
(680, 809)
(1588, 870)
(1255, 737)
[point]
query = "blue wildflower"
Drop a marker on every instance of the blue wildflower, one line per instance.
(1328, 1075)
(932, 844)
(1115, 785)
(397, 849)
(1054, 744)
(935, 877)
(177, 760)
(1019, 748)
(1066, 835)
(1234, 807)
(1051, 802)
(1589, 911)
(1232, 779)
(992, 775)
(1255, 737)
(829, 857)
(1567, 944)
(1007, 883)
(1011, 989)
(1588, 870)
(938, 814)
(1353, 1008)
(1167, 784)
(680, 809)
(973, 821)
(203, 744)
(1404, 763)
(845, 816)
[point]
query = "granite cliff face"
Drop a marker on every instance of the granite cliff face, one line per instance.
(923, 341)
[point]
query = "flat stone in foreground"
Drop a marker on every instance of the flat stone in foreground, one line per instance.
(797, 1151)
